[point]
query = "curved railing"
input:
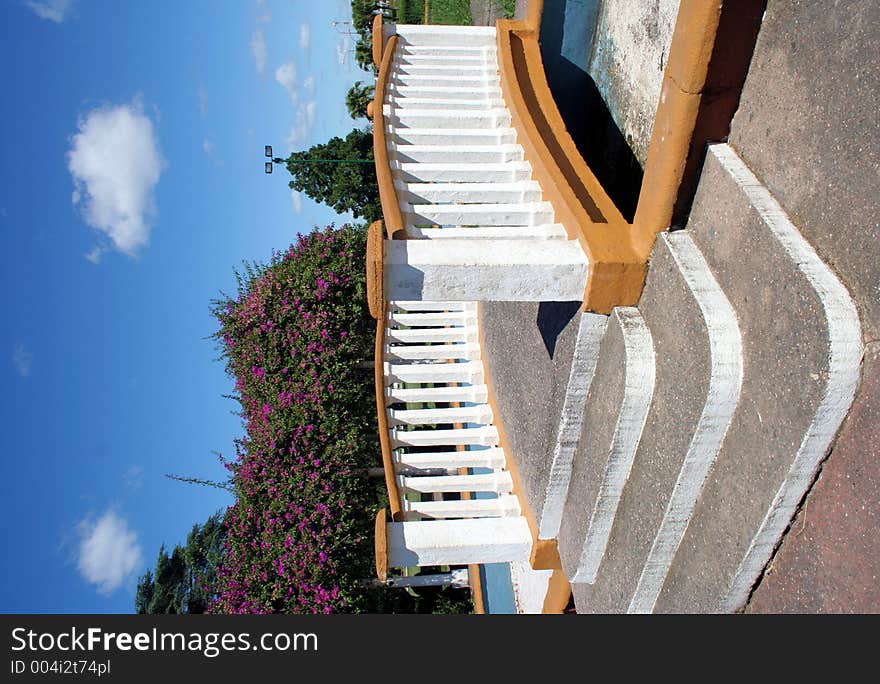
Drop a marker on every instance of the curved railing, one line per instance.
(582, 206)
(387, 194)
(376, 302)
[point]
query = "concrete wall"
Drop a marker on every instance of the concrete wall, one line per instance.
(629, 53)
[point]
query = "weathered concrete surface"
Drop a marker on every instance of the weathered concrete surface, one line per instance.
(628, 57)
(683, 363)
(528, 351)
(600, 418)
(829, 562)
(807, 126)
(785, 348)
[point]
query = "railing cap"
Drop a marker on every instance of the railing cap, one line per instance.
(375, 269)
(381, 545)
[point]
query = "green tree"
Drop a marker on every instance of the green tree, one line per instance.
(357, 99)
(183, 582)
(340, 173)
(363, 55)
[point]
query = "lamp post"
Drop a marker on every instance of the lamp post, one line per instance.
(278, 160)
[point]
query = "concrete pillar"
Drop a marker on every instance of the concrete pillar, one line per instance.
(458, 542)
(484, 270)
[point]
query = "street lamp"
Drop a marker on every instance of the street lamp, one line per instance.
(268, 150)
(277, 160)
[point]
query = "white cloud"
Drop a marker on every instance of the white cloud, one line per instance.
(311, 110)
(309, 86)
(297, 201)
(108, 551)
(306, 116)
(343, 46)
(51, 10)
(286, 77)
(203, 100)
(95, 253)
(133, 477)
(22, 359)
(115, 162)
(259, 50)
(305, 36)
(263, 15)
(208, 146)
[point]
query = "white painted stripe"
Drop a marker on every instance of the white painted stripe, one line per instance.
(844, 362)
(583, 365)
(638, 392)
(725, 382)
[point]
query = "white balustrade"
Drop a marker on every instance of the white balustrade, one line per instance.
(455, 493)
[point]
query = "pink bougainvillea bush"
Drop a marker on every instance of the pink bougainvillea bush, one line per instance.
(300, 531)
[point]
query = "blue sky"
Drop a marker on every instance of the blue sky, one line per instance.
(131, 186)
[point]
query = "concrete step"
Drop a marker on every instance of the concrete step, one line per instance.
(441, 104)
(515, 214)
(450, 153)
(405, 51)
(469, 193)
(454, 137)
(462, 173)
(619, 397)
(450, 68)
(398, 117)
(698, 371)
(480, 82)
(548, 231)
(478, 56)
(449, 37)
(802, 343)
(464, 93)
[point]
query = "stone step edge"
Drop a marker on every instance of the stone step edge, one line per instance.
(722, 396)
(591, 328)
(844, 365)
(638, 392)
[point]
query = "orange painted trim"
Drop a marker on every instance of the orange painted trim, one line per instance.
(381, 546)
(387, 192)
(696, 29)
(376, 269)
(616, 270)
(378, 40)
(545, 555)
(476, 583)
(534, 8)
(382, 417)
(558, 593)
